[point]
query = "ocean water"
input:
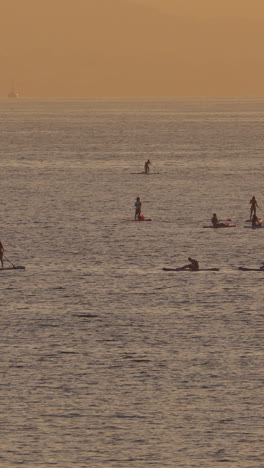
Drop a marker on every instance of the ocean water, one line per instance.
(106, 359)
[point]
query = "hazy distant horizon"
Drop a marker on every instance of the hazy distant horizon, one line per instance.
(132, 48)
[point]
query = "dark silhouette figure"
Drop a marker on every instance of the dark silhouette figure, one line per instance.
(137, 209)
(1, 254)
(193, 265)
(216, 223)
(147, 164)
(253, 207)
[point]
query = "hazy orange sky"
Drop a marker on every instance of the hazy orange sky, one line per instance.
(119, 48)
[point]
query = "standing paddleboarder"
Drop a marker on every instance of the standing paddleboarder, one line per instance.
(147, 164)
(253, 207)
(137, 209)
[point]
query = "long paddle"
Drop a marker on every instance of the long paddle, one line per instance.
(9, 261)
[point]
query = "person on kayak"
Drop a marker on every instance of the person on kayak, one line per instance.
(147, 164)
(216, 223)
(137, 209)
(255, 221)
(253, 207)
(193, 265)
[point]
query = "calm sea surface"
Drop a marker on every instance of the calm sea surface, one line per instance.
(106, 359)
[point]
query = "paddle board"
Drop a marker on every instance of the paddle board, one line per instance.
(254, 227)
(141, 220)
(218, 227)
(250, 269)
(187, 269)
(13, 268)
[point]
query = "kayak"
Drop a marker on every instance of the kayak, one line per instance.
(187, 269)
(249, 269)
(13, 268)
(146, 173)
(218, 227)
